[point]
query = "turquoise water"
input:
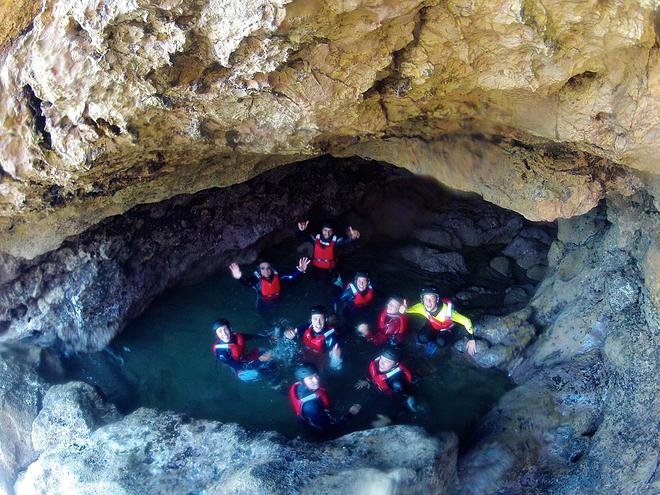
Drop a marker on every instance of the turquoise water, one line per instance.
(168, 351)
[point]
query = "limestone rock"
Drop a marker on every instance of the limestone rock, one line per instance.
(106, 106)
(168, 453)
(69, 414)
(21, 390)
(430, 260)
(501, 265)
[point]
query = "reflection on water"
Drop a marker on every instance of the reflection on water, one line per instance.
(168, 350)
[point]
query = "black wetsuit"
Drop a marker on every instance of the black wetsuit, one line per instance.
(317, 418)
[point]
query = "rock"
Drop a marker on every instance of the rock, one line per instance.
(433, 261)
(512, 330)
(537, 272)
(543, 234)
(438, 238)
(526, 251)
(21, 390)
(168, 453)
(515, 295)
(578, 230)
(501, 265)
(70, 413)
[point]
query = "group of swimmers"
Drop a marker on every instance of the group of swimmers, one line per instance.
(320, 343)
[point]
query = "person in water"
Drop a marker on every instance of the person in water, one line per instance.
(229, 349)
(266, 281)
(357, 295)
(325, 244)
(311, 403)
(393, 380)
(391, 326)
(320, 338)
(440, 318)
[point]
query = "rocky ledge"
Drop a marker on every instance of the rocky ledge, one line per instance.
(164, 453)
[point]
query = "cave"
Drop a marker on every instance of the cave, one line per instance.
(500, 151)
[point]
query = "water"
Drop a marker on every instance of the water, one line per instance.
(168, 351)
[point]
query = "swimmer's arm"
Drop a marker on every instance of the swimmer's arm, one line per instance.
(463, 320)
(417, 309)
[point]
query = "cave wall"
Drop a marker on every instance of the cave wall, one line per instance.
(106, 105)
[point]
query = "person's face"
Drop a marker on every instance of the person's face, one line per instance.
(430, 301)
(385, 364)
(312, 382)
(223, 334)
(393, 306)
(266, 270)
(318, 322)
(327, 232)
(362, 283)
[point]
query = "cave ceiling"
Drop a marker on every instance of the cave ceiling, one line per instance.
(543, 108)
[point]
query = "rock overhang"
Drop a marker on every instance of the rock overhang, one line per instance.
(541, 109)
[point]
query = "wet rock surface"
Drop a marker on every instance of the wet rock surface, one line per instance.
(583, 418)
(21, 392)
(167, 453)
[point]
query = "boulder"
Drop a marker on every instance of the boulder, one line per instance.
(526, 251)
(430, 260)
(501, 265)
(70, 413)
(21, 390)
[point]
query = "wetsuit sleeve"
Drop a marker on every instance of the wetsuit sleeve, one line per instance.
(342, 241)
(463, 320)
(417, 309)
(250, 281)
(346, 296)
(289, 277)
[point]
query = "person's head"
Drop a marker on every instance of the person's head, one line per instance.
(308, 375)
(265, 269)
(430, 297)
(222, 329)
(361, 281)
(388, 359)
(327, 229)
(393, 304)
(317, 318)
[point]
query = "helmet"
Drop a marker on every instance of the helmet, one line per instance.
(391, 353)
(396, 297)
(319, 310)
(220, 322)
(361, 273)
(327, 224)
(429, 290)
(304, 370)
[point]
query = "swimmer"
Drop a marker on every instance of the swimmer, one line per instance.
(440, 318)
(311, 403)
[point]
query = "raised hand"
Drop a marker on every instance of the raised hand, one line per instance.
(403, 307)
(303, 225)
(290, 333)
(471, 347)
(266, 356)
(302, 264)
(355, 408)
(352, 233)
(361, 384)
(235, 271)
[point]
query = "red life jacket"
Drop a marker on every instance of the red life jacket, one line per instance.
(298, 403)
(380, 379)
(442, 321)
(324, 253)
(394, 326)
(316, 342)
(235, 349)
(361, 298)
(269, 290)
